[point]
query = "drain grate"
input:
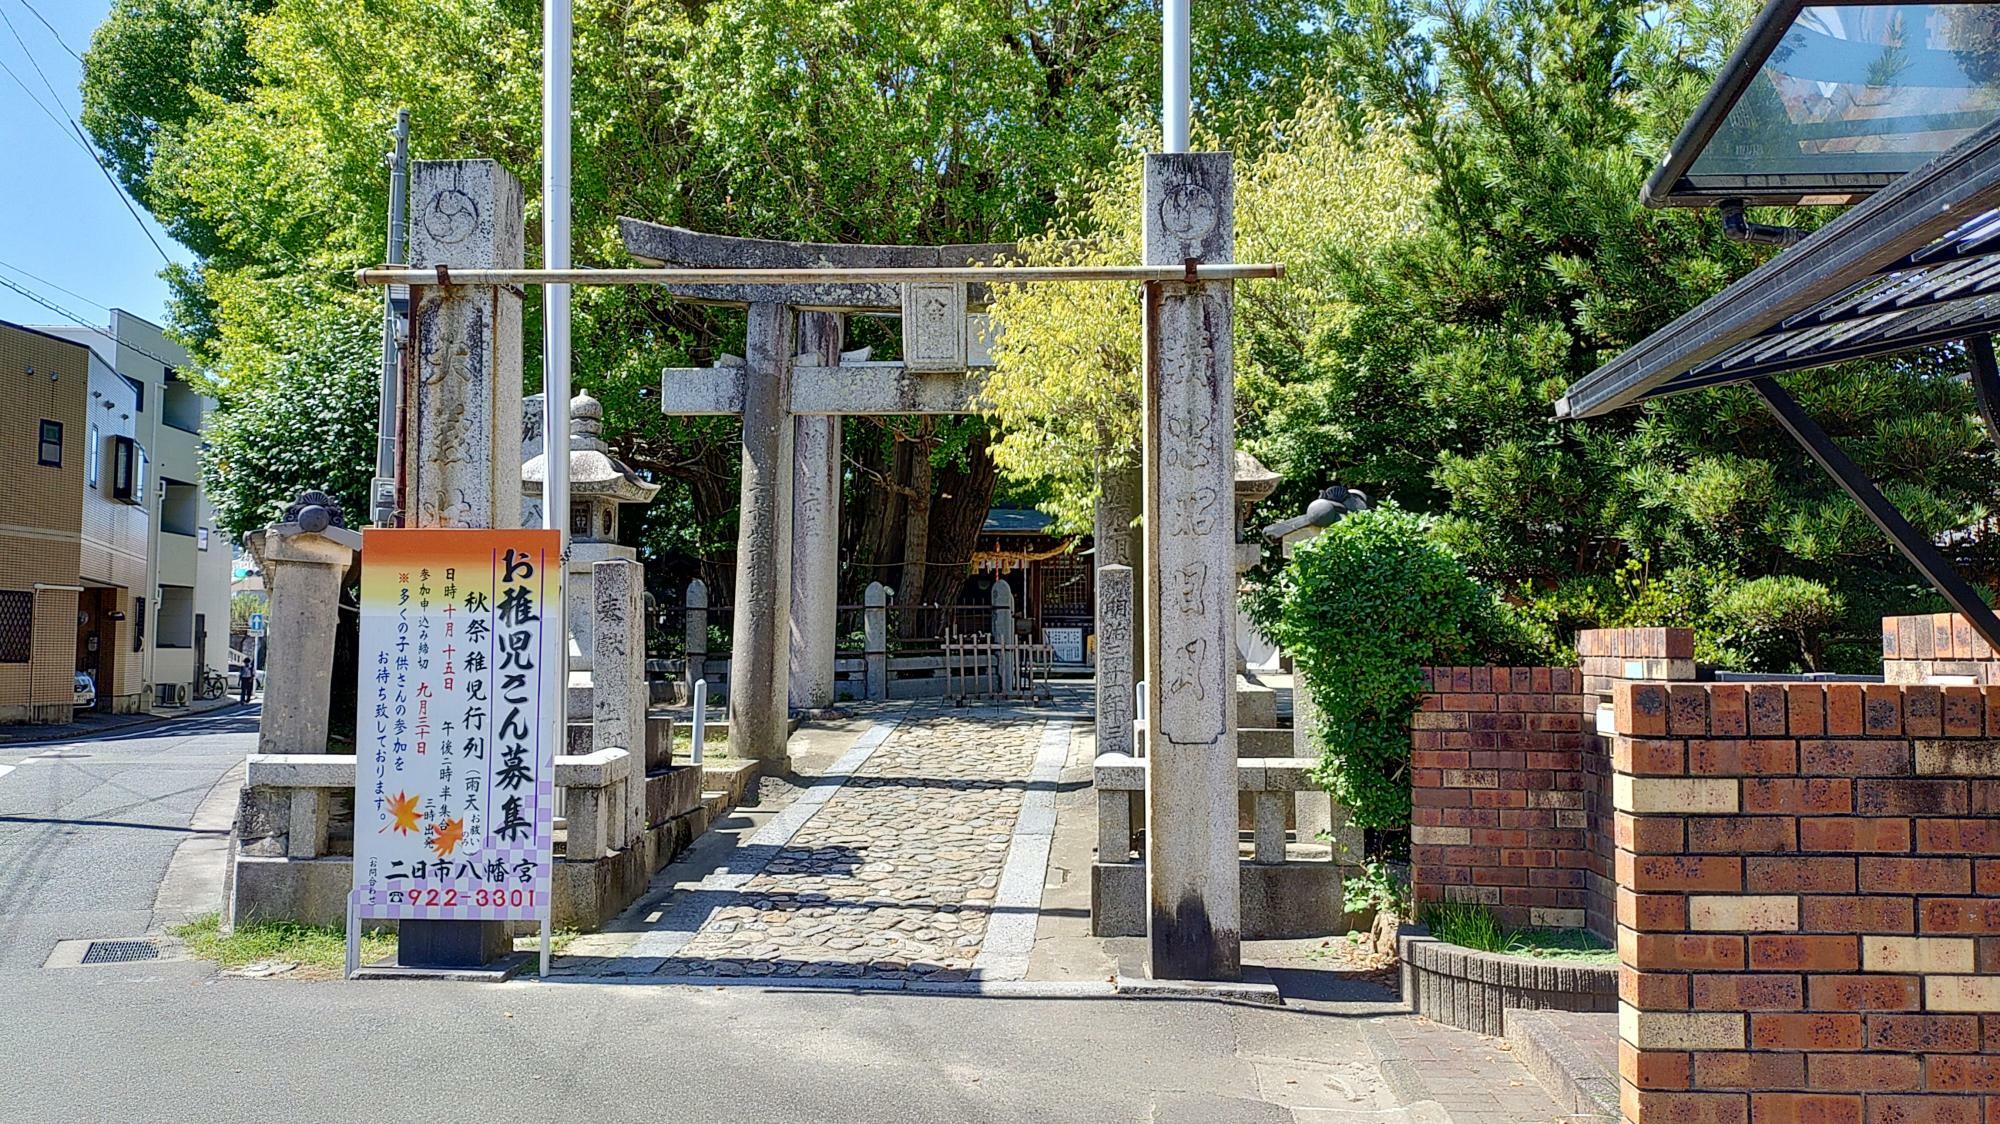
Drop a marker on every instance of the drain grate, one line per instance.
(120, 952)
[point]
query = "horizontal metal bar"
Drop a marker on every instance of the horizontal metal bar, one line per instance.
(993, 274)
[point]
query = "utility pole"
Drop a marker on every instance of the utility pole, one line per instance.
(395, 300)
(556, 36)
(1176, 58)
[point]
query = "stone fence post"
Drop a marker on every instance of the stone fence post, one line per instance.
(875, 640)
(618, 685)
(303, 572)
(1007, 671)
(697, 634)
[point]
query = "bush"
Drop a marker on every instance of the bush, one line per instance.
(1797, 612)
(1362, 609)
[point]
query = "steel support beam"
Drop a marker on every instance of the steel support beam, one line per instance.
(1985, 382)
(1914, 546)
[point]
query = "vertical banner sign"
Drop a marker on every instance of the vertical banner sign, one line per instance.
(454, 801)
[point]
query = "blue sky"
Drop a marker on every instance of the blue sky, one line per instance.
(59, 218)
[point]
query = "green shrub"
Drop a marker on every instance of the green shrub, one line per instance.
(1795, 612)
(1362, 609)
(1377, 885)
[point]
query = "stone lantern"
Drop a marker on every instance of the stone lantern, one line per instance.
(1254, 484)
(598, 486)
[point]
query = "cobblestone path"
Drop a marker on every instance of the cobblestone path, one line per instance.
(896, 875)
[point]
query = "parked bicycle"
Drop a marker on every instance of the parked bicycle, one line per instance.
(213, 685)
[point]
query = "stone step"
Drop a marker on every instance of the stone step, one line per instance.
(1575, 1057)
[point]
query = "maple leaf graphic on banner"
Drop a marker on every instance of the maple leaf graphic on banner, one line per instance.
(404, 817)
(445, 837)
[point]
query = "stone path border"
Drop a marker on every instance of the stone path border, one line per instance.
(1010, 928)
(682, 919)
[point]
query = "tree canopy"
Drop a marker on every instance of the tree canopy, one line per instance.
(1461, 215)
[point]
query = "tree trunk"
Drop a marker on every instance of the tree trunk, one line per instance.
(871, 534)
(917, 513)
(957, 520)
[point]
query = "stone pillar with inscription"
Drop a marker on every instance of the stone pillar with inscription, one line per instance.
(461, 417)
(618, 681)
(815, 526)
(1114, 659)
(1192, 879)
(462, 423)
(760, 647)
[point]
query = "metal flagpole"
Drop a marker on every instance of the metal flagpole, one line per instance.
(384, 499)
(1176, 62)
(556, 35)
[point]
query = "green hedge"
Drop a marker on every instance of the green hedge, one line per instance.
(1362, 609)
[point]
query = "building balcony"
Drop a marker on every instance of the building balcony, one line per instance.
(178, 557)
(177, 452)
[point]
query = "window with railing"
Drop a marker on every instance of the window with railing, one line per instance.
(17, 626)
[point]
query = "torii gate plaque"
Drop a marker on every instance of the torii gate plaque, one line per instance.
(791, 390)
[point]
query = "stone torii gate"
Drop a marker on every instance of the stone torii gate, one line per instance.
(1192, 876)
(791, 389)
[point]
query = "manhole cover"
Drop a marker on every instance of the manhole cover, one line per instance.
(120, 952)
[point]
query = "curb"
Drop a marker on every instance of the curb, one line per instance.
(1578, 1082)
(1473, 990)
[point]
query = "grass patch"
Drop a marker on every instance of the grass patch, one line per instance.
(1474, 926)
(310, 946)
(318, 947)
(714, 741)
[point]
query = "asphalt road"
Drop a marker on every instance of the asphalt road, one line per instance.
(87, 827)
(86, 832)
(171, 1041)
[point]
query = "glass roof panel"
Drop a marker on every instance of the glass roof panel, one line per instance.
(1861, 91)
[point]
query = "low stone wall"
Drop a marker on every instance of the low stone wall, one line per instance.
(1498, 785)
(1473, 990)
(292, 844)
(1809, 901)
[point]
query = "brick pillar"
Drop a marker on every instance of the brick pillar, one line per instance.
(1934, 647)
(1806, 902)
(1608, 657)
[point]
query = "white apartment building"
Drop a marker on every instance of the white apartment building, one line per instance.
(185, 614)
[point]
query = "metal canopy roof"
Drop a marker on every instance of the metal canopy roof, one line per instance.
(1915, 264)
(1825, 103)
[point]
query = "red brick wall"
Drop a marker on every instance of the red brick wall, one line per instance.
(1608, 657)
(1916, 648)
(1808, 903)
(1497, 792)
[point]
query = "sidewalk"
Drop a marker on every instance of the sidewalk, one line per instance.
(94, 725)
(921, 850)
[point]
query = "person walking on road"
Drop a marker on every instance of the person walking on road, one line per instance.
(247, 681)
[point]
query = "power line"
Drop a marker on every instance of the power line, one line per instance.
(56, 35)
(81, 140)
(53, 285)
(82, 323)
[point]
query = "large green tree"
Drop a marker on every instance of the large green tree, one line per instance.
(1535, 122)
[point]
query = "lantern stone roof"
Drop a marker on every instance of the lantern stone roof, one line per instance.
(1254, 482)
(593, 472)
